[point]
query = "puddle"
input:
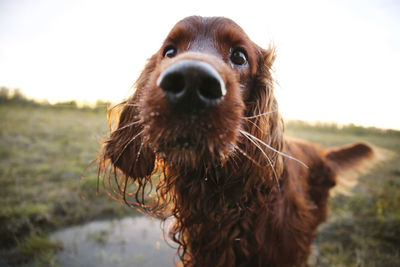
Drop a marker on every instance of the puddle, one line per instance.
(136, 241)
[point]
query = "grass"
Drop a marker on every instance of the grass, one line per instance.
(44, 150)
(38, 250)
(363, 229)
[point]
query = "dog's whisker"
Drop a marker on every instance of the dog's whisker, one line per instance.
(234, 157)
(131, 105)
(273, 149)
(248, 157)
(127, 125)
(139, 151)
(197, 143)
(262, 114)
(127, 144)
(256, 126)
(268, 159)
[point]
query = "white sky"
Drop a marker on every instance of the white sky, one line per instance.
(337, 60)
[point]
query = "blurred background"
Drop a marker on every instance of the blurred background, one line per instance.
(63, 62)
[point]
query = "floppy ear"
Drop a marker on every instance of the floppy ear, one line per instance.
(262, 107)
(262, 102)
(126, 147)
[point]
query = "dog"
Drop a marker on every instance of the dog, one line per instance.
(201, 140)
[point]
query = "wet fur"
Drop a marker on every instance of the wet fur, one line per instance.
(236, 201)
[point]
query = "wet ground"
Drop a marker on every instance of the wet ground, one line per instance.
(136, 241)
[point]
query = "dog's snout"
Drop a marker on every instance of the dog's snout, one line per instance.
(192, 84)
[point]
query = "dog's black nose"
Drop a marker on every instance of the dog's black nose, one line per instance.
(192, 84)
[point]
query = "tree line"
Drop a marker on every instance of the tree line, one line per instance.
(15, 96)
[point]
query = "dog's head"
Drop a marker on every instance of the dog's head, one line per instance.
(206, 83)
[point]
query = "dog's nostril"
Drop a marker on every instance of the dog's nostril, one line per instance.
(192, 84)
(173, 84)
(210, 89)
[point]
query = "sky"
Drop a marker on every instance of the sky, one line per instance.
(337, 61)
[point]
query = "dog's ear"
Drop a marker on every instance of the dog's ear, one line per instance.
(265, 121)
(262, 99)
(349, 157)
(269, 56)
(126, 147)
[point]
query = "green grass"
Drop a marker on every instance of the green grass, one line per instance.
(363, 229)
(45, 150)
(38, 250)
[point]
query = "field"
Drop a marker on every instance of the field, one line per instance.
(48, 181)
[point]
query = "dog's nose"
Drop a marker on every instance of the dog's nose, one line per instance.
(192, 84)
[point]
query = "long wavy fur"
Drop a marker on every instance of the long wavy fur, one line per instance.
(232, 207)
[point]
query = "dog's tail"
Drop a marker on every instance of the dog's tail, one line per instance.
(351, 161)
(351, 156)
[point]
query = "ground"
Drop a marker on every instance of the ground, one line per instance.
(48, 181)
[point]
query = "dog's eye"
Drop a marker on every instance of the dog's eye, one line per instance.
(238, 57)
(169, 51)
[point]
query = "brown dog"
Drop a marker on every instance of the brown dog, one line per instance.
(204, 127)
